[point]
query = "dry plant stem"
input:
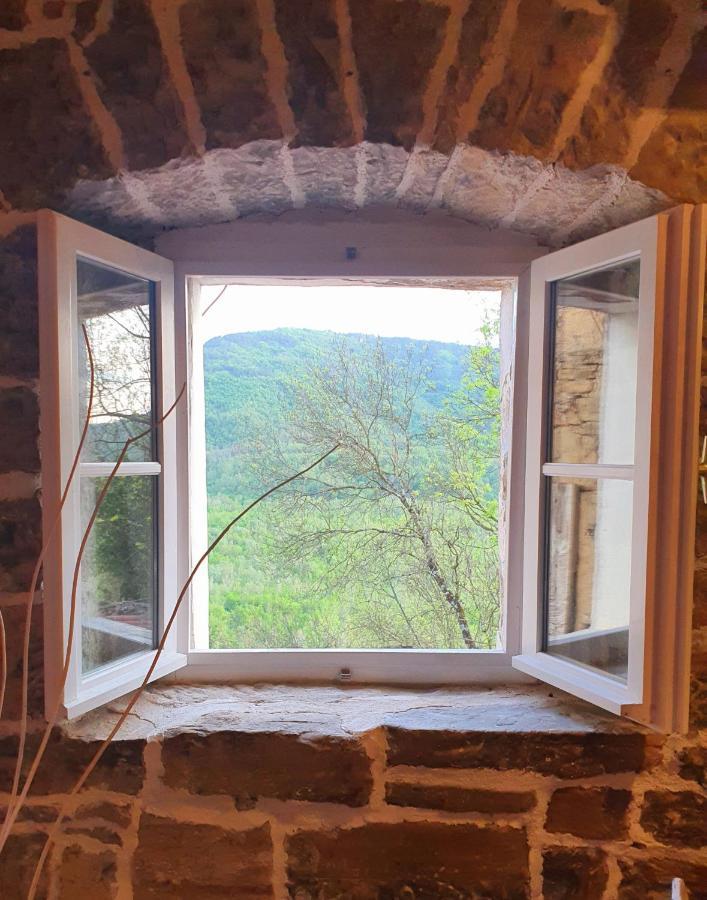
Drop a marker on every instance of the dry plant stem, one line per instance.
(52, 719)
(215, 300)
(160, 647)
(33, 585)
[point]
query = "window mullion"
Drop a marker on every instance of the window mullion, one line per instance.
(587, 470)
(104, 469)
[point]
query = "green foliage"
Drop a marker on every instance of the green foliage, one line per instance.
(339, 560)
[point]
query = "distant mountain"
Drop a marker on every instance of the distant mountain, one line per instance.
(245, 377)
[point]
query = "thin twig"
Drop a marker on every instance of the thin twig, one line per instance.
(29, 602)
(215, 300)
(136, 696)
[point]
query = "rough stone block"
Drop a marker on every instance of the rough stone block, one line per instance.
(17, 862)
(409, 859)
(651, 879)
(604, 132)
(19, 414)
(18, 303)
(396, 44)
(85, 18)
(32, 812)
(574, 874)
(134, 83)
(598, 813)
(101, 821)
(327, 176)
(120, 768)
(285, 766)
(81, 873)
(550, 50)
(475, 49)
(13, 15)
(222, 47)
(310, 37)
(698, 680)
(14, 619)
(176, 860)
(692, 764)
(385, 166)
(676, 817)
(674, 158)
(564, 755)
(457, 799)
(20, 543)
(699, 596)
(47, 140)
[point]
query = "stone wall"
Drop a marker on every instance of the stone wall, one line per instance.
(557, 117)
(277, 792)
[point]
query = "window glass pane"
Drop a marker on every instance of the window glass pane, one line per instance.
(589, 572)
(116, 309)
(594, 366)
(118, 573)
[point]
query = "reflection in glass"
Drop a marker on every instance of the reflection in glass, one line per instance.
(589, 572)
(115, 307)
(118, 579)
(594, 366)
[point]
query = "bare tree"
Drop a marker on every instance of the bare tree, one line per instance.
(399, 514)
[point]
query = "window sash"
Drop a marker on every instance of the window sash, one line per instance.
(670, 323)
(61, 242)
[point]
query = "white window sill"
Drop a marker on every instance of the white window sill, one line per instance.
(400, 667)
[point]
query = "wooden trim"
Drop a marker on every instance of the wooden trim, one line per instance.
(673, 476)
(656, 612)
(103, 470)
(61, 240)
(192, 483)
(585, 470)
(430, 667)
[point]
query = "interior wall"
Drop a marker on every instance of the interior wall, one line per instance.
(557, 118)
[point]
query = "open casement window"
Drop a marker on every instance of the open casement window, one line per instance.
(120, 299)
(600, 466)
(612, 442)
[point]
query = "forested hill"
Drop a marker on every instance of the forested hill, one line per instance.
(244, 376)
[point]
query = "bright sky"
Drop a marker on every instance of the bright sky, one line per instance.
(432, 314)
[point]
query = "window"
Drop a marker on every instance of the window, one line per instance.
(392, 542)
(596, 379)
(117, 299)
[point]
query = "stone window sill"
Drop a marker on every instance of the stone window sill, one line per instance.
(348, 711)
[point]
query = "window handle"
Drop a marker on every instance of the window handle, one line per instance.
(702, 470)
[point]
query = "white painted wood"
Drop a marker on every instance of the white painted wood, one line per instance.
(394, 247)
(585, 683)
(103, 470)
(312, 243)
(192, 467)
(115, 681)
(585, 470)
(659, 392)
(429, 667)
(61, 241)
(674, 482)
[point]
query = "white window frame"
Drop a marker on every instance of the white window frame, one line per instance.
(672, 258)
(663, 474)
(410, 666)
(60, 241)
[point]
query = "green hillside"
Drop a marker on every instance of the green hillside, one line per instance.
(260, 412)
